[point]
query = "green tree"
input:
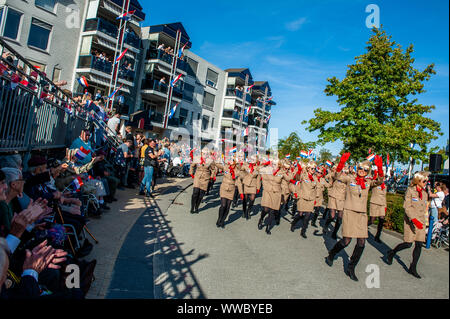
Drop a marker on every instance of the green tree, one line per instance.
(325, 155)
(379, 108)
(292, 145)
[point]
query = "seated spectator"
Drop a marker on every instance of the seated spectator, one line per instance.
(83, 141)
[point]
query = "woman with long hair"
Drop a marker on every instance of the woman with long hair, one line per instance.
(416, 207)
(354, 221)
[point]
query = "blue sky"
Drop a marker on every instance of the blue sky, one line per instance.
(296, 45)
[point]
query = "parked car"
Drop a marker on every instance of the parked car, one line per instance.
(401, 185)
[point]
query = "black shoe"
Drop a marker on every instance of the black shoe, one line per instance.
(334, 235)
(314, 224)
(303, 235)
(260, 225)
(329, 260)
(351, 273)
(292, 228)
(192, 211)
(377, 239)
(141, 193)
(413, 272)
(268, 231)
(389, 257)
(277, 222)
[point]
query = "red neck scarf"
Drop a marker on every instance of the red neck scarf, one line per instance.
(251, 167)
(232, 172)
(419, 190)
(275, 173)
(318, 177)
(361, 181)
(383, 186)
(311, 178)
(202, 160)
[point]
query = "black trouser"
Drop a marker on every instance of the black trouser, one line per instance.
(247, 204)
(197, 196)
(416, 252)
(224, 209)
(272, 214)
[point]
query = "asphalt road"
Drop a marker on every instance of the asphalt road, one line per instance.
(170, 253)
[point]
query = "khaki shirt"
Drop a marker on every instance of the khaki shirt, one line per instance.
(202, 175)
(378, 196)
(356, 197)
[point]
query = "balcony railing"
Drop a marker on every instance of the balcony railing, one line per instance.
(133, 40)
(99, 24)
(151, 84)
(234, 92)
(163, 56)
(92, 62)
(137, 13)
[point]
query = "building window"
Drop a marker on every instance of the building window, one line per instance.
(41, 67)
(56, 75)
(12, 25)
(208, 99)
(188, 92)
(198, 116)
(205, 122)
(192, 67)
(183, 116)
(212, 123)
(39, 34)
(192, 117)
(211, 78)
(48, 5)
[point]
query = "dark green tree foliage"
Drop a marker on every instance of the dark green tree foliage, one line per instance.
(292, 145)
(379, 106)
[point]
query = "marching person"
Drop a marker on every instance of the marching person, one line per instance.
(227, 191)
(203, 171)
(416, 207)
(212, 179)
(271, 197)
(321, 180)
(378, 207)
(251, 183)
(336, 199)
(354, 223)
(285, 186)
(306, 193)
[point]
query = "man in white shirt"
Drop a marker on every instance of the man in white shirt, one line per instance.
(436, 201)
(113, 124)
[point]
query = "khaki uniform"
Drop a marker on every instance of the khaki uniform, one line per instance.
(378, 202)
(320, 187)
(285, 191)
(271, 197)
(202, 174)
(414, 208)
(354, 221)
(306, 191)
(228, 183)
(336, 194)
(251, 182)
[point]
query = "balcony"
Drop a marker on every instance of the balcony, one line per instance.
(234, 92)
(101, 25)
(91, 62)
(156, 117)
(138, 13)
(132, 40)
(167, 58)
(154, 85)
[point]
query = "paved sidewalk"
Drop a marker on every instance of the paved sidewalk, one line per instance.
(113, 227)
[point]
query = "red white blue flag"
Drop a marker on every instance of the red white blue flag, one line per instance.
(370, 157)
(77, 183)
(329, 163)
(247, 90)
(173, 110)
(267, 119)
(174, 81)
(233, 150)
(114, 92)
(181, 52)
(304, 154)
(288, 156)
(120, 56)
(126, 16)
(82, 153)
(82, 80)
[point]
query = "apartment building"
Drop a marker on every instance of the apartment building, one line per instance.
(97, 45)
(197, 94)
(245, 111)
(45, 32)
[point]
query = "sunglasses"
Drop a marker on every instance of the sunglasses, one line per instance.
(363, 169)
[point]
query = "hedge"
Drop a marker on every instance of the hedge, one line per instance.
(395, 212)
